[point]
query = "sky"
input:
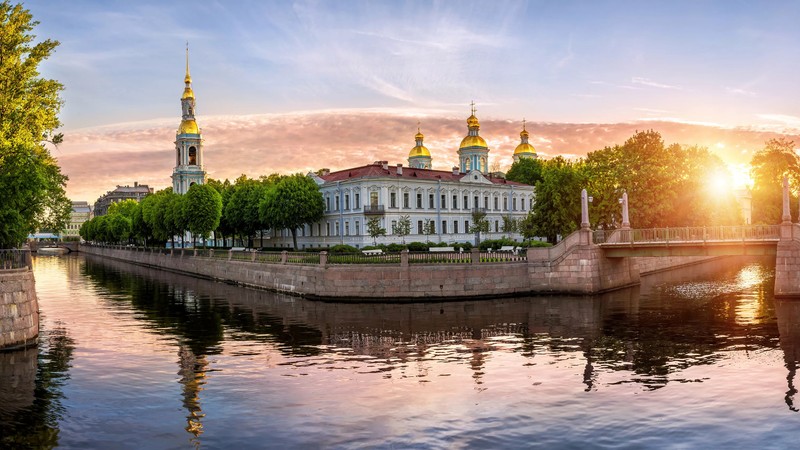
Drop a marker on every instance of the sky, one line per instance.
(293, 86)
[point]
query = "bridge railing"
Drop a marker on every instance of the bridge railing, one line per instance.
(688, 234)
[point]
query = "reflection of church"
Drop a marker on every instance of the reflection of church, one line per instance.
(188, 143)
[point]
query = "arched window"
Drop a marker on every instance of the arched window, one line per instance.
(192, 156)
(467, 164)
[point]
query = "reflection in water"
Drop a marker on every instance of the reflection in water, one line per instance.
(287, 367)
(31, 392)
(788, 312)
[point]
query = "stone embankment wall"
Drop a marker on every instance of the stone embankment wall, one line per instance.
(19, 309)
(654, 265)
(17, 380)
(569, 268)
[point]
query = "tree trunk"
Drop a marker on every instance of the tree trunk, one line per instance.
(294, 238)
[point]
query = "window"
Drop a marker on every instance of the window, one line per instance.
(327, 203)
(373, 198)
(358, 227)
(444, 227)
(327, 228)
(419, 201)
(405, 200)
(393, 199)
(485, 202)
(347, 201)
(337, 203)
(476, 204)
(358, 200)
(455, 202)
(394, 227)
(496, 226)
(347, 228)
(337, 228)
(192, 156)
(455, 227)
(430, 201)
(495, 204)
(466, 202)
(530, 204)
(505, 203)
(444, 202)
(419, 227)
(514, 204)
(466, 226)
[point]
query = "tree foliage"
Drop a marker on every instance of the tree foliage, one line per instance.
(374, 229)
(202, 209)
(526, 170)
(403, 227)
(556, 211)
(768, 167)
(290, 203)
(31, 183)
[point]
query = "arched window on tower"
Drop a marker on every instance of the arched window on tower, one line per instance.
(192, 156)
(467, 165)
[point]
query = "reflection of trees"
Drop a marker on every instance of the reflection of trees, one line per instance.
(36, 425)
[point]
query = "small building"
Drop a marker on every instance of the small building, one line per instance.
(136, 192)
(81, 212)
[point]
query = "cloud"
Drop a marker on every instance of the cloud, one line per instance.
(98, 159)
(738, 91)
(651, 83)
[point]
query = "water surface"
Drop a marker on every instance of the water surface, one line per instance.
(136, 358)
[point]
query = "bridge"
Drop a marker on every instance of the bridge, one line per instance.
(615, 252)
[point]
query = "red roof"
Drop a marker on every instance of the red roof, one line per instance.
(376, 170)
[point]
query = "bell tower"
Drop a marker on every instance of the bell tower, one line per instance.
(189, 167)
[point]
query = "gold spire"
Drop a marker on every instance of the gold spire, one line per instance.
(188, 78)
(419, 149)
(473, 139)
(187, 91)
(524, 133)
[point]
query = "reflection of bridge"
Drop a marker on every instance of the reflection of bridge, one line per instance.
(690, 241)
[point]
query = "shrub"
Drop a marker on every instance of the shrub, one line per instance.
(395, 247)
(418, 247)
(343, 248)
(536, 244)
(375, 247)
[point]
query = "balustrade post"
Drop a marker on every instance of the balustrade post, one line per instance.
(211, 253)
(284, 257)
(404, 257)
(195, 252)
(475, 255)
(230, 254)
(323, 259)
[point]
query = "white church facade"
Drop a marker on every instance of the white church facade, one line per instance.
(439, 204)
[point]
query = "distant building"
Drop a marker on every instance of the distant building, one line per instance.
(81, 212)
(136, 192)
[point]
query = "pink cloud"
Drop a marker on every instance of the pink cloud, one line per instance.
(98, 159)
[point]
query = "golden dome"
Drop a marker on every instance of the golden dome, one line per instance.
(419, 150)
(524, 148)
(188, 127)
(473, 141)
(524, 133)
(472, 121)
(419, 135)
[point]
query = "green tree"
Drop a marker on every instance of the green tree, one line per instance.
(557, 209)
(374, 229)
(403, 227)
(479, 224)
(292, 202)
(526, 170)
(242, 210)
(510, 225)
(429, 228)
(225, 189)
(767, 169)
(31, 182)
(202, 206)
(153, 213)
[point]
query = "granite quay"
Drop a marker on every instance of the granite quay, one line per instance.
(574, 266)
(19, 308)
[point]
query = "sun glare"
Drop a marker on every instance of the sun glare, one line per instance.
(719, 183)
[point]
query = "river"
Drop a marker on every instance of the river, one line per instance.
(130, 357)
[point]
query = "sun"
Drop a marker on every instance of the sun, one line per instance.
(719, 182)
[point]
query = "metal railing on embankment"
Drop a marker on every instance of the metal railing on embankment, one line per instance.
(310, 258)
(13, 258)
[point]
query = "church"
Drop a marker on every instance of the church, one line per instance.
(439, 203)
